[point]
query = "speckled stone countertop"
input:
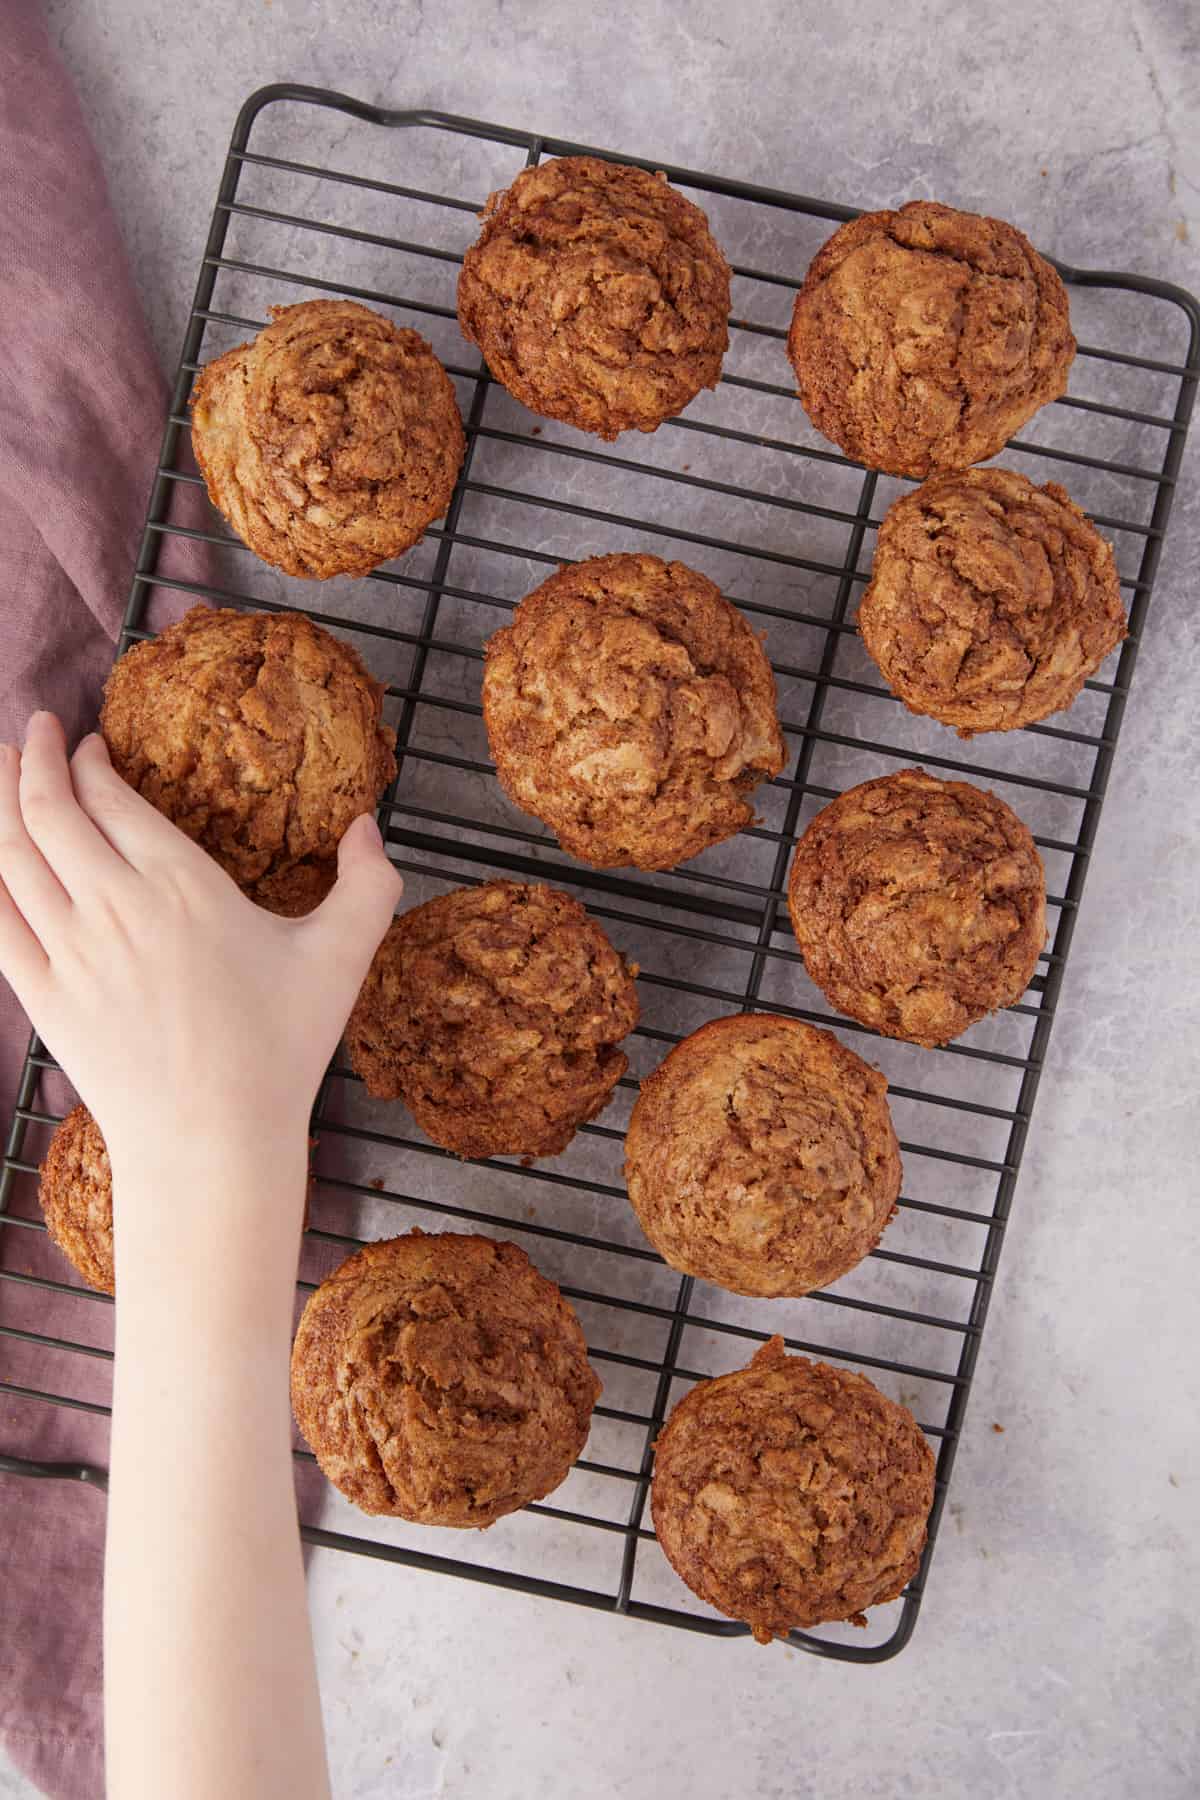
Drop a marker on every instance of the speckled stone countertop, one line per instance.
(1056, 1651)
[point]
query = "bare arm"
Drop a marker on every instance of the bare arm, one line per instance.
(210, 1685)
(196, 1028)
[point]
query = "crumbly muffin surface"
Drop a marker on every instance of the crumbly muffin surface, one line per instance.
(631, 707)
(597, 295)
(991, 600)
(791, 1493)
(442, 1379)
(260, 736)
(923, 339)
(919, 905)
(495, 1013)
(330, 441)
(761, 1156)
(76, 1197)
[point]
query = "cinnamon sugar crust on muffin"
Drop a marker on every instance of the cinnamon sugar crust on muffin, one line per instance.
(923, 339)
(761, 1156)
(260, 736)
(75, 1193)
(919, 905)
(991, 600)
(597, 295)
(442, 1379)
(790, 1493)
(631, 707)
(330, 441)
(495, 1013)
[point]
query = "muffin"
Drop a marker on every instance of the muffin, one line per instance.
(331, 441)
(923, 339)
(761, 1156)
(259, 735)
(919, 905)
(495, 1013)
(789, 1493)
(991, 600)
(597, 295)
(632, 708)
(75, 1193)
(442, 1379)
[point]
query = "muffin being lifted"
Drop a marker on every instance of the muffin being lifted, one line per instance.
(597, 295)
(923, 339)
(495, 1013)
(331, 441)
(631, 707)
(260, 736)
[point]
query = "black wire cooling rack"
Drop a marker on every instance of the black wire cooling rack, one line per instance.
(745, 489)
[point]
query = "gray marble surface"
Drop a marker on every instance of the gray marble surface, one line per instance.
(1056, 1652)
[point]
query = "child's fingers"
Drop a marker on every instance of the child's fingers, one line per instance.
(31, 885)
(23, 962)
(134, 828)
(79, 855)
(353, 918)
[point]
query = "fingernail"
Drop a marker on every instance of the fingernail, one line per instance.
(373, 829)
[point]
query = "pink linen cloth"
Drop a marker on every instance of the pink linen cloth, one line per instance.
(82, 403)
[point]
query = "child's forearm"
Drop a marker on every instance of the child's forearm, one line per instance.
(210, 1686)
(196, 1027)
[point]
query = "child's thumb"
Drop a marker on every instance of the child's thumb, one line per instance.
(358, 910)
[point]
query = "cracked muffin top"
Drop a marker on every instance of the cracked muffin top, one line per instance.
(330, 441)
(597, 295)
(991, 600)
(495, 1013)
(761, 1156)
(919, 905)
(442, 1379)
(75, 1193)
(790, 1493)
(259, 735)
(631, 707)
(923, 339)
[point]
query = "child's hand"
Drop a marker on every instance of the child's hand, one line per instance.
(174, 1003)
(196, 1027)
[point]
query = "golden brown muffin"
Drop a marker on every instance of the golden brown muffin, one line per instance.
(923, 339)
(330, 441)
(495, 1013)
(761, 1156)
(789, 1493)
(597, 295)
(919, 905)
(631, 707)
(991, 600)
(259, 735)
(442, 1379)
(75, 1193)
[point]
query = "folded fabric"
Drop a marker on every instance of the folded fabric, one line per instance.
(82, 403)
